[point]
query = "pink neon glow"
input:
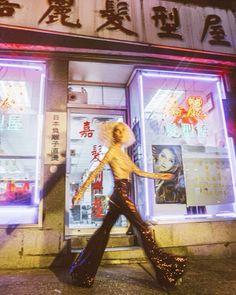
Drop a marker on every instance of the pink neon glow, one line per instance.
(20, 66)
(39, 140)
(221, 93)
(176, 217)
(147, 208)
(181, 76)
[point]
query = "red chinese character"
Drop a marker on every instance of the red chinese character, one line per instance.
(96, 152)
(86, 132)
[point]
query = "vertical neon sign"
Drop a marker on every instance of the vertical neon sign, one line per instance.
(147, 206)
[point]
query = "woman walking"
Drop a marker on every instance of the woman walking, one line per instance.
(168, 268)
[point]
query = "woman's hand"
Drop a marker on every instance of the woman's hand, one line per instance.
(165, 176)
(76, 198)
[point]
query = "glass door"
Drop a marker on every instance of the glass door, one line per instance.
(84, 152)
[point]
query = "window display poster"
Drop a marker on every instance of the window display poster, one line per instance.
(168, 159)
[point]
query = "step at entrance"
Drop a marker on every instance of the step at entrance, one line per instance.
(79, 242)
(121, 249)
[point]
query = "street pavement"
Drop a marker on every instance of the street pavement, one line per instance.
(203, 277)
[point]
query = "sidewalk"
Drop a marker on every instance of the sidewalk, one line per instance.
(203, 277)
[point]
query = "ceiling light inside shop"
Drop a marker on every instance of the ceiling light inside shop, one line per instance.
(161, 98)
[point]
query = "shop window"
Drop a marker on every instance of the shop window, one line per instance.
(179, 124)
(21, 111)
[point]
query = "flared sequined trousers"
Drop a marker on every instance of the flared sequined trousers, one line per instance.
(168, 268)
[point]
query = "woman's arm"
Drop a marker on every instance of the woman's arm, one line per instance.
(162, 176)
(78, 195)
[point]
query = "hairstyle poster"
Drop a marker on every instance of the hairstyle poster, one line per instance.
(168, 159)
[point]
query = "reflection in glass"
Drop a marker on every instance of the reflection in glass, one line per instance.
(85, 155)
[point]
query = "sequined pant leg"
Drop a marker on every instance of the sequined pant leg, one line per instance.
(84, 268)
(168, 268)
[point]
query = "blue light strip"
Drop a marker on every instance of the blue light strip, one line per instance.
(39, 141)
(221, 93)
(182, 76)
(10, 65)
(140, 81)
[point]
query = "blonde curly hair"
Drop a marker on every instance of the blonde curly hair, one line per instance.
(105, 133)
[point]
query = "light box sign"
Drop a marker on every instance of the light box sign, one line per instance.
(190, 119)
(153, 22)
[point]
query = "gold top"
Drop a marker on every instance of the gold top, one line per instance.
(122, 166)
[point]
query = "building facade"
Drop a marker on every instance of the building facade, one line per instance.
(166, 68)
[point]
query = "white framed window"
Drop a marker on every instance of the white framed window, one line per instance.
(21, 120)
(179, 121)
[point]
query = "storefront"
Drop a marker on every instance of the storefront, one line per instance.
(170, 84)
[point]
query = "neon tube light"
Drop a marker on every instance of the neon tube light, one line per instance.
(226, 214)
(233, 158)
(195, 216)
(144, 144)
(176, 217)
(21, 60)
(10, 65)
(221, 92)
(184, 75)
(39, 141)
(192, 77)
(156, 72)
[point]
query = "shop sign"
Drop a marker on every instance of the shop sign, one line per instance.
(55, 142)
(187, 121)
(152, 22)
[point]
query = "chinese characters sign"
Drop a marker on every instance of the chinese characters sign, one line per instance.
(187, 121)
(192, 114)
(153, 22)
(55, 144)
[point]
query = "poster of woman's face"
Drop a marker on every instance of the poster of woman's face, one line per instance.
(168, 159)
